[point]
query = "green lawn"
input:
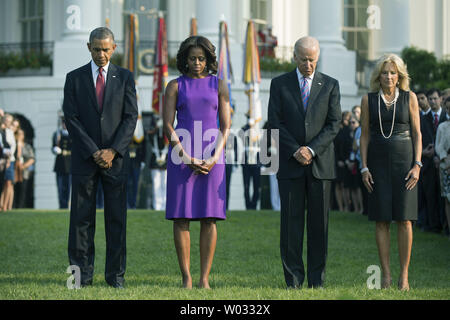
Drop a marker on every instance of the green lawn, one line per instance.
(33, 260)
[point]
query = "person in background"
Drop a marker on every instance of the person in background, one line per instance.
(356, 111)
(231, 155)
(62, 145)
(423, 102)
(7, 196)
(251, 173)
(268, 42)
(352, 167)
(421, 198)
(443, 153)
(342, 193)
(158, 162)
(137, 156)
(3, 156)
(429, 123)
(444, 95)
(26, 162)
(357, 151)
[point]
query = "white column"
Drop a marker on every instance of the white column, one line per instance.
(325, 24)
(394, 32)
(209, 13)
(80, 18)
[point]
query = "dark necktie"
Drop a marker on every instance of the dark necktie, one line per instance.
(305, 92)
(436, 121)
(100, 88)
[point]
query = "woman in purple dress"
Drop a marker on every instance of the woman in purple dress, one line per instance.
(196, 188)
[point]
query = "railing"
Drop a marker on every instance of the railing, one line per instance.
(26, 59)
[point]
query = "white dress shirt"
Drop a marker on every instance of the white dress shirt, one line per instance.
(437, 112)
(94, 69)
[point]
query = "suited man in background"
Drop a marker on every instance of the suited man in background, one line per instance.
(430, 170)
(304, 105)
(100, 110)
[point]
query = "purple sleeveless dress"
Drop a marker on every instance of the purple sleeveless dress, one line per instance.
(192, 196)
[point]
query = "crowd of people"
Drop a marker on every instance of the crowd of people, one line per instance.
(350, 195)
(16, 164)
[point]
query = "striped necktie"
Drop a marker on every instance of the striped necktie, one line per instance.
(305, 92)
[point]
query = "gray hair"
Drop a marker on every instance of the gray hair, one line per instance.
(101, 33)
(306, 43)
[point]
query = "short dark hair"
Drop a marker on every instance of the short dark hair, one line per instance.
(197, 42)
(420, 91)
(101, 33)
(433, 90)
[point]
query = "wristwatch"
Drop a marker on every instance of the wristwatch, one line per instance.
(420, 164)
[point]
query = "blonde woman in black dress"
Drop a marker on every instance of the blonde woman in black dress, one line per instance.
(391, 149)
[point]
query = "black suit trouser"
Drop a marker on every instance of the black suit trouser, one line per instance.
(81, 247)
(251, 172)
(431, 189)
(296, 195)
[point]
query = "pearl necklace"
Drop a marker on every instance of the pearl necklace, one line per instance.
(388, 104)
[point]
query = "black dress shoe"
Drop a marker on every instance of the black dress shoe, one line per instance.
(116, 285)
(85, 284)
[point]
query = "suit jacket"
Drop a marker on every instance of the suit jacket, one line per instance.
(91, 130)
(315, 128)
(429, 135)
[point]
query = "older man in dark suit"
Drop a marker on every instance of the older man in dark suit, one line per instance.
(304, 106)
(100, 110)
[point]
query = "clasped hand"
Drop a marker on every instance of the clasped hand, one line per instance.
(200, 166)
(103, 158)
(303, 155)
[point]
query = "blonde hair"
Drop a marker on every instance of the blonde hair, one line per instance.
(403, 77)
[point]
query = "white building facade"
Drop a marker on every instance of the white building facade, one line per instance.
(351, 33)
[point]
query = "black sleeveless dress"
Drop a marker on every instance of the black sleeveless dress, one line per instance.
(389, 161)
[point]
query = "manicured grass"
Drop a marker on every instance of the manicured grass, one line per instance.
(247, 265)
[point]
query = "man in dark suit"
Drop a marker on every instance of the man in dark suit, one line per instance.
(100, 110)
(304, 106)
(430, 172)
